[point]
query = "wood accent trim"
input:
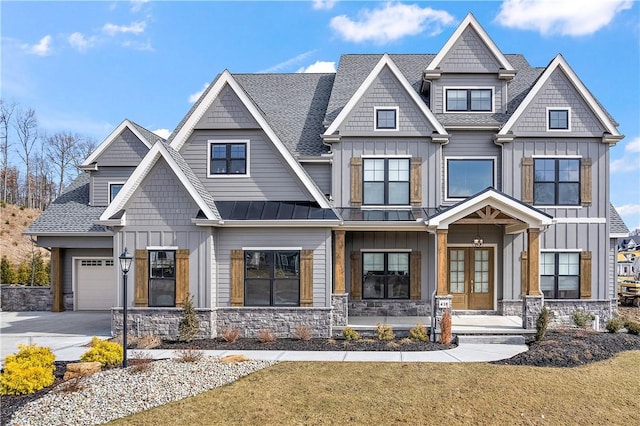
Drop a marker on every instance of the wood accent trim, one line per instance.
(585, 275)
(237, 278)
(527, 180)
(339, 262)
(524, 272)
(585, 182)
(415, 279)
(443, 270)
(56, 280)
(182, 276)
(356, 181)
(533, 265)
(306, 278)
(141, 293)
(356, 276)
(415, 181)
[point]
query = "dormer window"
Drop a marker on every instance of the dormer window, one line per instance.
(558, 119)
(228, 158)
(114, 188)
(386, 118)
(476, 100)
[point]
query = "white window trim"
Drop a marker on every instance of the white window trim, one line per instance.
(386, 206)
(394, 156)
(228, 141)
(109, 188)
(568, 109)
(479, 157)
(576, 250)
(161, 248)
(271, 248)
(375, 118)
(444, 99)
(546, 206)
(557, 156)
(381, 250)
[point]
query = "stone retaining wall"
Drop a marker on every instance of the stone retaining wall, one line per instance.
(20, 298)
(162, 322)
(391, 308)
(282, 321)
(562, 310)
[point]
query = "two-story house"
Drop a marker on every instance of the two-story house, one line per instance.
(400, 185)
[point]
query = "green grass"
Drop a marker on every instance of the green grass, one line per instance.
(403, 393)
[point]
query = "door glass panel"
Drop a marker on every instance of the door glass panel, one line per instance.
(481, 273)
(456, 271)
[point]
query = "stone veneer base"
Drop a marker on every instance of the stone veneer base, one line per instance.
(22, 298)
(389, 308)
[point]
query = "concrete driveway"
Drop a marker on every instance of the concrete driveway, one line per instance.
(65, 333)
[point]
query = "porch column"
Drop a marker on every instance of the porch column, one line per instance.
(339, 259)
(533, 262)
(56, 280)
(441, 235)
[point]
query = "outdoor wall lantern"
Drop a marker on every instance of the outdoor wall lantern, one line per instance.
(125, 264)
(477, 240)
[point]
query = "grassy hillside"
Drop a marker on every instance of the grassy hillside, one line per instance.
(13, 221)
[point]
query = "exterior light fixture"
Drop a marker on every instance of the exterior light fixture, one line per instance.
(477, 240)
(125, 264)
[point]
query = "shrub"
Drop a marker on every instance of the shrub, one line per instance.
(445, 328)
(582, 318)
(189, 324)
(419, 332)
(614, 325)
(189, 355)
(140, 362)
(350, 334)
(384, 332)
(303, 332)
(149, 341)
(29, 370)
(7, 271)
(633, 327)
(230, 334)
(108, 354)
(542, 323)
(266, 336)
(72, 385)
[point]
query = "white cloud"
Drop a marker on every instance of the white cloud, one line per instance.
(628, 163)
(627, 209)
(288, 63)
(136, 5)
(630, 213)
(633, 145)
(80, 42)
(163, 133)
(319, 67)
(324, 4)
(390, 22)
(195, 96)
(565, 17)
(139, 45)
(43, 48)
(135, 28)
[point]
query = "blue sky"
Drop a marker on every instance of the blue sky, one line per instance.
(85, 66)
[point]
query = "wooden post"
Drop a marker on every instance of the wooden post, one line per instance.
(306, 278)
(533, 243)
(443, 270)
(339, 259)
(56, 280)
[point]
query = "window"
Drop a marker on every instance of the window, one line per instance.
(386, 181)
(556, 181)
(114, 188)
(385, 275)
(558, 119)
(227, 158)
(466, 177)
(386, 118)
(469, 100)
(272, 278)
(560, 275)
(162, 278)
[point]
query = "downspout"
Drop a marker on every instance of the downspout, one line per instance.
(433, 314)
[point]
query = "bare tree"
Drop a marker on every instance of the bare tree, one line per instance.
(85, 147)
(63, 149)
(26, 125)
(6, 111)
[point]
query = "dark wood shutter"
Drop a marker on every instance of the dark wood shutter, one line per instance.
(182, 276)
(306, 278)
(415, 182)
(415, 271)
(527, 180)
(585, 275)
(355, 292)
(524, 273)
(141, 297)
(237, 278)
(356, 181)
(585, 182)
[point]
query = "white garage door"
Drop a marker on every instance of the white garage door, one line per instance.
(95, 284)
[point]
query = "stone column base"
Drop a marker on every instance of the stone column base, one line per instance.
(442, 304)
(340, 312)
(531, 308)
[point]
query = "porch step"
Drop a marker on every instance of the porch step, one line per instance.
(484, 339)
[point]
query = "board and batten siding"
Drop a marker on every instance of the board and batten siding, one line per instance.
(100, 179)
(321, 175)
(125, 150)
(453, 81)
(270, 177)
(316, 239)
(469, 54)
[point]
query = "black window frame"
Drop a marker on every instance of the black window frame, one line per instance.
(386, 182)
(557, 183)
(229, 158)
(386, 275)
(111, 185)
(449, 180)
(469, 100)
(550, 120)
(386, 110)
(555, 293)
(165, 272)
(272, 278)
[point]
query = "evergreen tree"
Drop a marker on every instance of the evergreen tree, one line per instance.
(8, 273)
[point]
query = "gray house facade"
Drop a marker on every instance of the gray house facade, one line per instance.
(401, 185)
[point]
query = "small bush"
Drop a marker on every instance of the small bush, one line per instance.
(633, 327)
(419, 332)
(29, 370)
(72, 385)
(22, 207)
(303, 332)
(350, 334)
(542, 323)
(384, 332)
(266, 336)
(445, 328)
(189, 355)
(189, 324)
(149, 341)
(13, 215)
(230, 334)
(582, 318)
(614, 325)
(108, 354)
(140, 362)
(132, 341)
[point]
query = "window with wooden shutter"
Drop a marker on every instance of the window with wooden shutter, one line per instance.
(356, 276)
(237, 278)
(182, 276)
(585, 275)
(306, 278)
(415, 271)
(356, 181)
(527, 180)
(415, 182)
(141, 297)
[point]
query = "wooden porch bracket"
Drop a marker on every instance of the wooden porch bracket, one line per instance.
(339, 258)
(442, 235)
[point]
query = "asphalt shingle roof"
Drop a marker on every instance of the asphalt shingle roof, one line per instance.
(148, 135)
(616, 224)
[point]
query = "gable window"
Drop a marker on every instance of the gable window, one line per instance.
(385, 181)
(468, 176)
(272, 278)
(560, 275)
(228, 158)
(558, 119)
(162, 278)
(385, 275)
(480, 100)
(386, 118)
(114, 188)
(556, 181)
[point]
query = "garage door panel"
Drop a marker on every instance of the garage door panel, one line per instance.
(95, 284)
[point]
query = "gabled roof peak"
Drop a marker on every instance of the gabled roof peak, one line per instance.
(140, 132)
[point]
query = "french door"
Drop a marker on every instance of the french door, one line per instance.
(471, 277)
